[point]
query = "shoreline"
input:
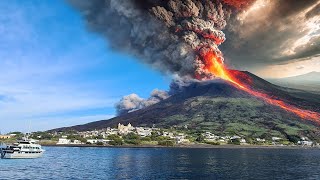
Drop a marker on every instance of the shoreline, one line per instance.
(195, 146)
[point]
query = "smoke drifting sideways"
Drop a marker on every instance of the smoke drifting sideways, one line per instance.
(133, 102)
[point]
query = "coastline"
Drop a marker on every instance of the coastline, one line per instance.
(193, 146)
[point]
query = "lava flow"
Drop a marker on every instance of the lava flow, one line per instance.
(214, 65)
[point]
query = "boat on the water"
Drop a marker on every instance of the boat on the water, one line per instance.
(22, 149)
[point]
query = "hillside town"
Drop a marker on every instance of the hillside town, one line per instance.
(130, 135)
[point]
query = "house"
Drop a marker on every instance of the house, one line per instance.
(95, 141)
(181, 138)
(235, 137)
(64, 141)
(305, 143)
(168, 134)
(276, 138)
(92, 141)
(208, 136)
(243, 141)
(76, 142)
(260, 140)
(143, 132)
(5, 136)
(125, 129)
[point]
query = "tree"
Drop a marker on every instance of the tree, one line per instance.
(99, 143)
(200, 138)
(132, 138)
(234, 141)
(293, 138)
(115, 140)
(154, 136)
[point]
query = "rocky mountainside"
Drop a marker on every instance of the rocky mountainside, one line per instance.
(220, 107)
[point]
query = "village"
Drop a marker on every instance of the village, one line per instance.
(130, 135)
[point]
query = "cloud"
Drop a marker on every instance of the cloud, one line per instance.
(294, 68)
(273, 32)
(299, 67)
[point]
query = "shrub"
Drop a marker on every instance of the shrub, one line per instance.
(212, 142)
(234, 141)
(99, 143)
(293, 138)
(145, 139)
(166, 143)
(115, 140)
(200, 138)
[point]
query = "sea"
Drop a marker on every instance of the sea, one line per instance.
(165, 163)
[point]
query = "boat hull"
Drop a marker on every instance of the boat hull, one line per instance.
(17, 155)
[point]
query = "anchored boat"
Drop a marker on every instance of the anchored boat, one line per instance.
(23, 149)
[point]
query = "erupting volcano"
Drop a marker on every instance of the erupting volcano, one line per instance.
(183, 37)
(216, 67)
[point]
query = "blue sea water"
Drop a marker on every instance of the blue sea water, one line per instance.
(165, 163)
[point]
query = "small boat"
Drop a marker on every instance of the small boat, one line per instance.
(22, 149)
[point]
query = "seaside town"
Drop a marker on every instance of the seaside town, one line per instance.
(151, 136)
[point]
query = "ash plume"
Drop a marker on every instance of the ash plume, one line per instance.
(133, 102)
(170, 35)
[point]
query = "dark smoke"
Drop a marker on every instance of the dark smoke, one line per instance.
(169, 35)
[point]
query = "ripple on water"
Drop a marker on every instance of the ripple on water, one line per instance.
(166, 163)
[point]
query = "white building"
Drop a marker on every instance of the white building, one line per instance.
(208, 136)
(235, 137)
(243, 141)
(260, 140)
(168, 134)
(276, 138)
(143, 131)
(305, 143)
(95, 141)
(125, 129)
(64, 141)
(181, 138)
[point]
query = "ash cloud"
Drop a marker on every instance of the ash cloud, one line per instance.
(133, 102)
(169, 35)
(129, 27)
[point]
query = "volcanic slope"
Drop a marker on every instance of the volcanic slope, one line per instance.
(220, 107)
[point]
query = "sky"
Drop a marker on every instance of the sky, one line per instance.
(55, 73)
(275, 39)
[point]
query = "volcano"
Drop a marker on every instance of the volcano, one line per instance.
(221, 107)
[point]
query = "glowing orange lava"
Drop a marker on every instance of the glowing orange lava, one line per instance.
(216, 67)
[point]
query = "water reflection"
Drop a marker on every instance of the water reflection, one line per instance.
(166, 163)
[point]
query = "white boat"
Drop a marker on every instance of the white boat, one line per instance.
(23, 149)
